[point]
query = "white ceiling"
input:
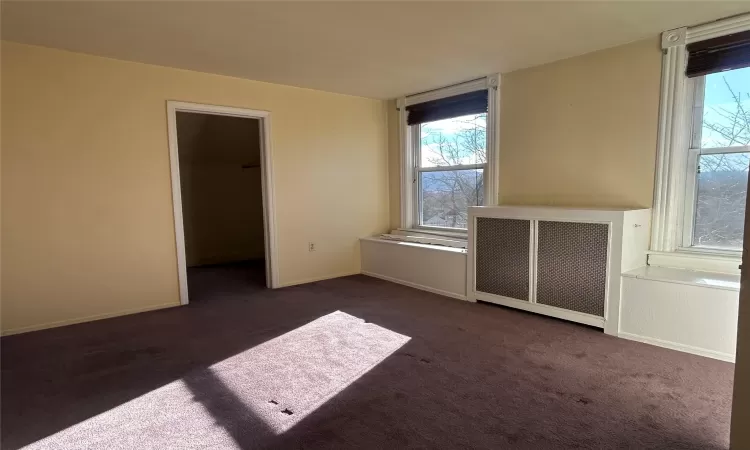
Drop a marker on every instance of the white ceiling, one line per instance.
(370, 49)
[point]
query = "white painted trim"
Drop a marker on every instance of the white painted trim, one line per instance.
(448, 91)
(407, 167)
(441, 248)
(695, 261)
(702, 279)
(679, 347)
(724, 150)
(315, 279)
(269, 216)
(612, 273)
(433, 240)
(415, 150)
(451, 234)
(533, 252)
(62, 323)
(686, 221)
(471, 246)
(450, 168)
(415, 285)
(718, 28)
(673, 38)
(553, 213)
(669, 182)
(492, 170)
(559, 313)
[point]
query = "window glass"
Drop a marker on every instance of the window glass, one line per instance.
(456, 141)
(445, 196)
(452, 157)
(726, 109)
(720, 200)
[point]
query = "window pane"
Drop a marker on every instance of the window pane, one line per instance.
(450, 142)
(720, 202)
(726, 109)
(446, 195)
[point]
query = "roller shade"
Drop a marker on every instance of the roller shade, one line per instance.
(718, 54)
(445, 108)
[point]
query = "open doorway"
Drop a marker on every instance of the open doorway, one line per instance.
(222, 191)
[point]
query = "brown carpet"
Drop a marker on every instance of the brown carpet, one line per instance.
(471, 375)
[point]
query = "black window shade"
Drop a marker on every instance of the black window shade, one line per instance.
(445, 108)
(721, 53)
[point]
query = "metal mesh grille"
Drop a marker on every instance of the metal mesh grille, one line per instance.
(502, 257)
(571, 266)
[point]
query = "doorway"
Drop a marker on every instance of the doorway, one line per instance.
(222, 195)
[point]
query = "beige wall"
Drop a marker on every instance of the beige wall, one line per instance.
(87, 227)
(582, 132)
(222, 196)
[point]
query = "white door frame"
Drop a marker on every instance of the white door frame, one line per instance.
(269, 218)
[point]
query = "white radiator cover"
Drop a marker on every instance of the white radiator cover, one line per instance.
(561, 262)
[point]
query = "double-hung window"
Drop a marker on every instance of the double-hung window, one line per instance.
(447, 142)
(704, 147)
(718, 160)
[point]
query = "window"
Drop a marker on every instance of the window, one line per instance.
(703, 147)
(718, 161)
(451, 156)
(448, 142)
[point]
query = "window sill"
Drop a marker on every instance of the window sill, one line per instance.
(440, 248)
(455, 235)
(690, 277)
(695, 261)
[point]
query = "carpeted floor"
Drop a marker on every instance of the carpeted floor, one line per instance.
(470, 376)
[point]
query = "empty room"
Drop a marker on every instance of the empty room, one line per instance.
(362, 224)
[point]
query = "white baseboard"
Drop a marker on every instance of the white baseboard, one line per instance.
(538, 308)
(62, 323)
(416, 286)
(314, 279)
(679, 347)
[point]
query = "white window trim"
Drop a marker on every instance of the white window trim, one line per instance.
(672, 185)
(408, 141)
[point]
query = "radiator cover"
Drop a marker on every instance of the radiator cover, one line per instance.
(502, 250)
(572, 266)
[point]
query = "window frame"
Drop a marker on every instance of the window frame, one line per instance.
(695, 92)
(675, 184)
(416, 145)
(410, 142)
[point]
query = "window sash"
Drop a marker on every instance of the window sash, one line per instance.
(416, 144)
(696, 91)
(449, 168)
(691, 199)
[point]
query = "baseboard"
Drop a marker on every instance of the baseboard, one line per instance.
(62, 323)
(416, 285)
(679, 347)
(546, 310)
(314, 279)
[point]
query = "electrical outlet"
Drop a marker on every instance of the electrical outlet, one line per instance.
(311, 246)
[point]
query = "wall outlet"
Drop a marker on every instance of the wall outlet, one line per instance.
(311, 246)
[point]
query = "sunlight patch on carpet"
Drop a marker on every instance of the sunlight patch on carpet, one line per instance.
(247, 399)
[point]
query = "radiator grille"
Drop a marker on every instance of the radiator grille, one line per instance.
(502, 257)
(571, 266)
